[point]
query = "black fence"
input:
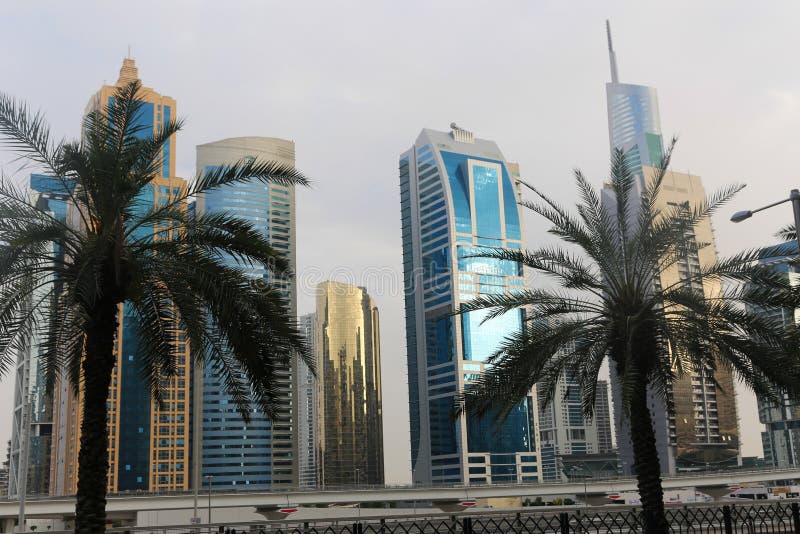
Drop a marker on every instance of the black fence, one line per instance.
(782, 517)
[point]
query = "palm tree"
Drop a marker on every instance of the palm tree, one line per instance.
(65, 283)
(610, 304)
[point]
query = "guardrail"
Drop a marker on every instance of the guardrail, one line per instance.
(773, 517)
(730, 472)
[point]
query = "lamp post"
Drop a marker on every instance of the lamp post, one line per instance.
(573, 469)
(794, 198)
(209, 477)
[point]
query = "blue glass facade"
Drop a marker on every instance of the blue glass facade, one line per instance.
(457, 200)
(634, 124)
(51, 195)
(236, 453)
(258, 454)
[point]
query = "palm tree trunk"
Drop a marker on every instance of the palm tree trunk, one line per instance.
(648, 469)
(97, 367)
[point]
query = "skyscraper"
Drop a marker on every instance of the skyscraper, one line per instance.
(634, 125)
(602, 418)
(148, 445)
(702, 432)
(457, 196)
(564, 430)
(781, 435)
(349, 411)
(32, 427)
(306, 409)
(261, 453)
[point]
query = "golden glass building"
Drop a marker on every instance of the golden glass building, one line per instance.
(349, 415)
(148, 446)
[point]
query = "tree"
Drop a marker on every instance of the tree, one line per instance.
(65, 283)
(609, 304)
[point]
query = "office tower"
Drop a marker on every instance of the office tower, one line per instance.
(148, 445)
(602, 418)
(261, 453)
(349, 429)
(457, 196)
(306, 400)
(781, 435)
(634, 125)
(32, 427)
(702, 432)
(564, 430)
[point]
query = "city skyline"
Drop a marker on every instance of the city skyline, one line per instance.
(520, 143)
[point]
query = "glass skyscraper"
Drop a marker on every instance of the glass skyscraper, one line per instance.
(306, 409)
(458, 196)
(634, 125)
(259, 454)
(32, 427)
(349, 418)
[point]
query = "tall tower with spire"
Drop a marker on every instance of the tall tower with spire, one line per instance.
(148, 445)
(701, 432)
(634, 125)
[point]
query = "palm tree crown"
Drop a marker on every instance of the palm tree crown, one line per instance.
(64, 282)
(611, 305)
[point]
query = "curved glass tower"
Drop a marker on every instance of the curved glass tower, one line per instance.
(258, 454)
(633, 121)
(458, 195)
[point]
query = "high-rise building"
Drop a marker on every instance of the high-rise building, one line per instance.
(306, 401)
(702, 430)
(261, 453)
(458, 196)
(349, 411)
(564, 430)
(32, 428)
(602, 418)
(634, 125)
(148, 444)
(781, 435)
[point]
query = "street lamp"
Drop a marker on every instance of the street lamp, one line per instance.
(574, 469)
(209, 477)
(794, 198)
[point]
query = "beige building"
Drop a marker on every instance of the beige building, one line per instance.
(702, 433)
(349, 416)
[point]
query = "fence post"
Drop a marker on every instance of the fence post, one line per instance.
(518, 523)
(358, 528)
(383, 525)
(466, 525)
(727, 519)
(563, 519)
(796, 517)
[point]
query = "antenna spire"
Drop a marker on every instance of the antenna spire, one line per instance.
(611, 55)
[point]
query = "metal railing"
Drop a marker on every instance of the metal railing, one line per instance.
(773, 472)
(772, 517)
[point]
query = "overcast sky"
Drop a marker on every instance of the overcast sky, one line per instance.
(352, 83)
